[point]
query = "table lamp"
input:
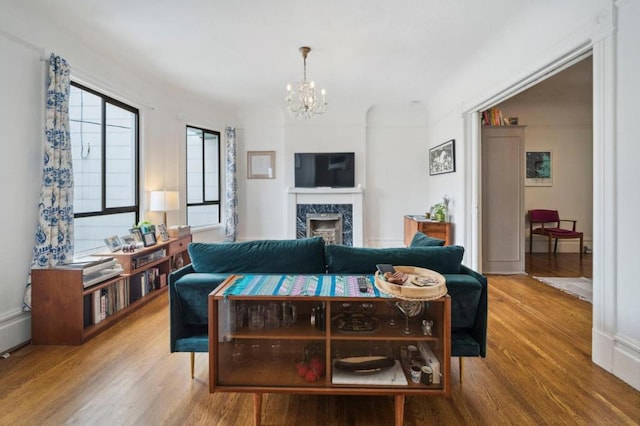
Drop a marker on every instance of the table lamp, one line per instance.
(164, 201)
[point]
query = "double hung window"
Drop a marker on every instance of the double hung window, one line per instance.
(105, 145)
(203, 177)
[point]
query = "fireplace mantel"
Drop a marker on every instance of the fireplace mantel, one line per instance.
(353, 196)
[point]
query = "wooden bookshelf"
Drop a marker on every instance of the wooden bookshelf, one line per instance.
(64, 312)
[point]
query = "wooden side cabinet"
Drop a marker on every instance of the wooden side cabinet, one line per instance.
(64, 312)
(415, 223)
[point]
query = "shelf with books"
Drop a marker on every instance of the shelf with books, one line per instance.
(494, 117)
(66, 312)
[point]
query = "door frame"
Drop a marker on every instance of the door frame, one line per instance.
(602, 47)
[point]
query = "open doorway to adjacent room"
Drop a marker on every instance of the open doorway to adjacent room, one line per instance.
(556, 117)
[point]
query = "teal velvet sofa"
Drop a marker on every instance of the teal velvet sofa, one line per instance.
(212, 263)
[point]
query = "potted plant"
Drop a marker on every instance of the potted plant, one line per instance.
(439, 211)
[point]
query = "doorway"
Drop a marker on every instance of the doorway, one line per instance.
(556, 116)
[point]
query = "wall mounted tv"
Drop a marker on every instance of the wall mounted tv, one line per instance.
(332, 169)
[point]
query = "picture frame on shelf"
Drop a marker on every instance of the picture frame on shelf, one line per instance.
(137, 233)
(128, 239)
(442, 158)
(148, 239)
(162, 230)
(538, 166)
(261, 164)
(113, 243)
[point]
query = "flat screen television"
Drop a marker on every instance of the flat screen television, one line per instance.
(332, 169)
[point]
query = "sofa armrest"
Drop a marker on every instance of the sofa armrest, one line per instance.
(479, 331)
(176, 325)
(179, 273)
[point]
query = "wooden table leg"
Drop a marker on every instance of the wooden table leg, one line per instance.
(399, 410)
(257, 408)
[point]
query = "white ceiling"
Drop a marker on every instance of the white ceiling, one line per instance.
(244, 52)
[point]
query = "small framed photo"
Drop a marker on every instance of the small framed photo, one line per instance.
(261, 164)
(113, 243)
(442, 158)
(137, 234)
(148, 239)
(162, 230)
(128, 239)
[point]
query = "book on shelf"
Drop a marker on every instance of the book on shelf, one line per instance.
(494, 117)
(106, 301)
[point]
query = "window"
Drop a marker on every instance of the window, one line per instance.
(203, 177)
(104, 144)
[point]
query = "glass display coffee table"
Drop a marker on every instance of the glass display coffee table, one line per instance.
(319, 334)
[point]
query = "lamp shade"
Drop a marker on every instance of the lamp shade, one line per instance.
(163, 201)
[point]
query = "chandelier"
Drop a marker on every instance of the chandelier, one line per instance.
(302, 101)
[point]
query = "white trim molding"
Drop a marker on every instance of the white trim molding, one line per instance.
(14, 326)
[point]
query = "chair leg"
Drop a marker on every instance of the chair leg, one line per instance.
(193, 359)
(460, 361)
(555, 247)
(581, 247)
(549, 251)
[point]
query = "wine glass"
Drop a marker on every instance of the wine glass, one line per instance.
(391, 322)
(409, 308)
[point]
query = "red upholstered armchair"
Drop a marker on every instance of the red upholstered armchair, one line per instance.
(550, 226)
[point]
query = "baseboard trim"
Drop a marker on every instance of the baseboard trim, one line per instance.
(618, 356)
(15, 330)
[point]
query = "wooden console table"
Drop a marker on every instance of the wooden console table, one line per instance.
(257, 361)
(415, 223)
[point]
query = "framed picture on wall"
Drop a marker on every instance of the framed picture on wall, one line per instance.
(261, 164)
(442, 158)
(538, 168)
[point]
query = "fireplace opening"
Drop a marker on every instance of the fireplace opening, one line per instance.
(325, 225)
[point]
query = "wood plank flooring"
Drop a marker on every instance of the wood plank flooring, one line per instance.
(538, 371)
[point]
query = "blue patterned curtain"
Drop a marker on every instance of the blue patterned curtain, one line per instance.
(54, 232)
(231, 192)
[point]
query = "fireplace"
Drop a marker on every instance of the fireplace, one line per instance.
(347, 202)
(325, 225)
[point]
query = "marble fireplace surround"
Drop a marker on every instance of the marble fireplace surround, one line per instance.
(327, 196)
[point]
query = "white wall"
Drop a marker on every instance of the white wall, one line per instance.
(622, 324)
(397, 171)
(22, 88)
(558, 115)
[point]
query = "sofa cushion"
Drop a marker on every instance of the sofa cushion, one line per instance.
(303, 256)
(465, 292)
(192, 291)
(359, 260)
(423, 240)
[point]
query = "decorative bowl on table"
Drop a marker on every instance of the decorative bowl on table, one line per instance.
(421, 284)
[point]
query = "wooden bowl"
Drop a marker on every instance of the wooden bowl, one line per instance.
(436, 288)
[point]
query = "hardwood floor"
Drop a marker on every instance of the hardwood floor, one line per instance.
(559, 265)
(538, 371)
